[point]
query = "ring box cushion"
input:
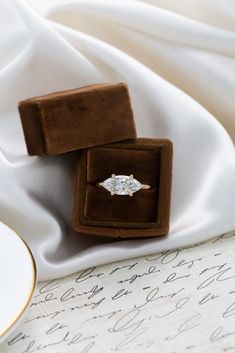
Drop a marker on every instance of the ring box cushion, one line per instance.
(75, 119)
(147, 212)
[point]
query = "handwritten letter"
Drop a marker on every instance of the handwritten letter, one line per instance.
(172, 302)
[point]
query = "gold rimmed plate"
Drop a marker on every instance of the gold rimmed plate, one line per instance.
(17, 279)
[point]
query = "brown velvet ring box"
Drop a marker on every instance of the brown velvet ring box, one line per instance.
(75, 119)
(144, 214)
(98, 120)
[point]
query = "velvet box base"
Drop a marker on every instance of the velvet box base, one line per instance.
(144, 214)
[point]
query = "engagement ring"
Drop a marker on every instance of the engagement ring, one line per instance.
(122, 185)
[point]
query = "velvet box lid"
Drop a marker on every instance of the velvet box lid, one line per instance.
(75, 119)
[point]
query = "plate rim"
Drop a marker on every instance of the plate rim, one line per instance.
(8, 328)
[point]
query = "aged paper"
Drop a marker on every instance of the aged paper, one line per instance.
(173, 302)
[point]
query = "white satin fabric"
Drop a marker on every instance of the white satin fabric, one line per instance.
(179, 64)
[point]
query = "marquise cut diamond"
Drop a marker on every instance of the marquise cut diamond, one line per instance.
(122, 185)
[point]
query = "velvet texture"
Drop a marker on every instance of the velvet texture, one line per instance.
(75, 119)
(144, 214)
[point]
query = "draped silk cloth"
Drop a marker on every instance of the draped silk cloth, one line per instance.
(179, 64)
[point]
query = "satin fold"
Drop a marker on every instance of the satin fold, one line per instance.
(179, 67)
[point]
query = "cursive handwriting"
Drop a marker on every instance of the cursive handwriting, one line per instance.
(181, 300)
